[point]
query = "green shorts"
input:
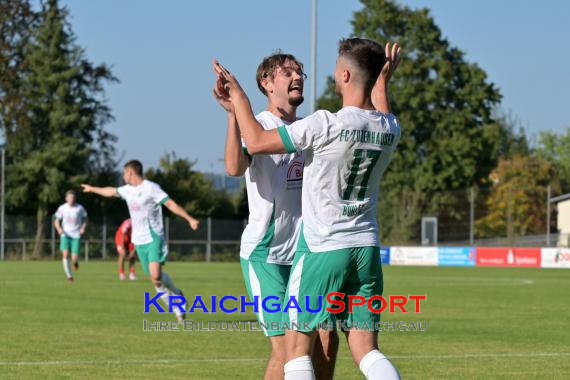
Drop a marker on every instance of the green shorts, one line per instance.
(153, 252)
(264, 280)
(69, 244)
(352, 271)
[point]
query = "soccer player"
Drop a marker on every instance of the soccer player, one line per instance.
(347, 153)
(125, 248)
(144, 200)
(274, 197)
(70, 221)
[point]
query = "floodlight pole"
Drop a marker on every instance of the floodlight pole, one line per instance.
(548, 197)
(314, 59)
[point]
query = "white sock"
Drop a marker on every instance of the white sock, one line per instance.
(164, 297)
(300, 368)
(374, 365)
(67, 267)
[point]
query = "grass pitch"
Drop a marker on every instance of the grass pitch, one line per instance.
(482, 323)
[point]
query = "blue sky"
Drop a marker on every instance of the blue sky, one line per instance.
(162, 52)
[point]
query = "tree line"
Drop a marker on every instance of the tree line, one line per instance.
(455, 137)
(53, 115)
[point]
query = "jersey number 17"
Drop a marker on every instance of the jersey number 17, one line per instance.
(363, 160)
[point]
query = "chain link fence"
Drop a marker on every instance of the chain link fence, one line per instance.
(471, 217)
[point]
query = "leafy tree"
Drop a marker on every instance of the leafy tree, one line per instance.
(17, 21)
(190, 188)
(517, 204)
(444, 104)
(556, 150)
(57, 137)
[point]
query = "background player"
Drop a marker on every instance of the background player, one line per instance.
(145, 199)
(274, 185)
(70, 221)
(125, 248)
(338, 248)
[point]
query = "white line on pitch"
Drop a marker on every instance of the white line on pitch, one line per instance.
(171, 361)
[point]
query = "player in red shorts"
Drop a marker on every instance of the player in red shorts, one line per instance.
(125, 248)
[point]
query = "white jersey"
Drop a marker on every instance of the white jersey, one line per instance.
(274, 185)
(145, 207)
(72, 218)
(347, 153)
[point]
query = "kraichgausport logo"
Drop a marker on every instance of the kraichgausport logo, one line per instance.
(334, 302)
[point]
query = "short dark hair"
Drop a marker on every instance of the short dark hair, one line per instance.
(368, 55)
(136, 166)
(269, 64)
(69, 192)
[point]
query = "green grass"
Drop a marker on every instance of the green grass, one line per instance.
(483, 323)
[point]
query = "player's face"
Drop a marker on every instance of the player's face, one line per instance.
(70, 198)
(288, 82)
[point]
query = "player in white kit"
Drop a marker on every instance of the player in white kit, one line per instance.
(274, 184)
(346, 155)
(70, 221)
(145, 200)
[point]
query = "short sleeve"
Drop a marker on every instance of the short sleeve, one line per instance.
(59, 213)
(309, 132)
(122, 191)
(83, 213)
(158, 195)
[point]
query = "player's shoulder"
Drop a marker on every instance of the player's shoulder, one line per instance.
(268, 120)
(320, 116)
(150, 184)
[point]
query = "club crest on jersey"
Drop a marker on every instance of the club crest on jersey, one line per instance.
(295, 175)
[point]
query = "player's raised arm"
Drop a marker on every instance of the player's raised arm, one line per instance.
(178, 210)
(235, 159)
(257, 139)
(380, 98)
(102, 191)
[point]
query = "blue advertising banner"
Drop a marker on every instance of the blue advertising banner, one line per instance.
(385, 255)
(456, 256)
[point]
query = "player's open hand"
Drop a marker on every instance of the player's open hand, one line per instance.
(393, 57)
(223, 96)
(194, 223)
(227, 81)
(86, 188)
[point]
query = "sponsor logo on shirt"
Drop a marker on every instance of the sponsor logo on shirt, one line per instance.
(295, 175)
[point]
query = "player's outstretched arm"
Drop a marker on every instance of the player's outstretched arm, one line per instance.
(380, 91)
(178, 210)
(256, 138)
(102, 191)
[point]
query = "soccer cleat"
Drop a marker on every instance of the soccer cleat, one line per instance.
(180, 317)
(121, 276)
(76, 266)
(132, 276)
(70, 280)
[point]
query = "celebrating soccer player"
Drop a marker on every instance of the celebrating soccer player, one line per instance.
(70, 221)
(125, 249)
(274, 197)
(347, 153)
(144, 200)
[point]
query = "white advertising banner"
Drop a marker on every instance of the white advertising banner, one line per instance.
(555, 257)
(413, 256)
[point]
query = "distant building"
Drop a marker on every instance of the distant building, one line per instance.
(563, 222)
